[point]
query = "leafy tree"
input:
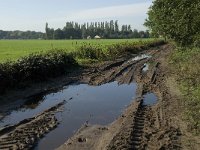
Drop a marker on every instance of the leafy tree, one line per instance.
(135, 33)
(21, 35)
(175, 19)
(58, 34)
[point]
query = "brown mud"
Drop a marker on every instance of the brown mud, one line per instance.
(141, 126)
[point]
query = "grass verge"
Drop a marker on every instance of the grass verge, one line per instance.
(186, 66)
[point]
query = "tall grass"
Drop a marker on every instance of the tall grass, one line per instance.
(14, 49)
(186, 65)
(109, 52)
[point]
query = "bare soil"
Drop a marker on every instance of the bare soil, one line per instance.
(158, 126)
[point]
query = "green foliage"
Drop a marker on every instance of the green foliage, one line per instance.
(102, 52)
(186, 66)
(175, 19)
(37, 66)
(89, 51)
(21, 35)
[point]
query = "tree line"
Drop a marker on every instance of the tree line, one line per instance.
(107, 30)
(21, 35)
(74, 30)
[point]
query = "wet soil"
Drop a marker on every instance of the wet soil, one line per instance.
(147, 122)
(151, 121)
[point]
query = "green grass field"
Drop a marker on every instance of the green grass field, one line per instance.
(14, 49)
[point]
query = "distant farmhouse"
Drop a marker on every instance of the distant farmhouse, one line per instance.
(97, 37)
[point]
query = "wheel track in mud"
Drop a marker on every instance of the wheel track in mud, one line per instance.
(119, 73)
(137, 133)
(26, 134)
(131, 138)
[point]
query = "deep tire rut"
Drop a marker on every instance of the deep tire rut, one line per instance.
(123, 73)
(26, 134)
(137, 133)
(130, 138)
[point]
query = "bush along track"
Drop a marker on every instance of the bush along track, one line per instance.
(35, 67)
(41, 66)
(114, 51)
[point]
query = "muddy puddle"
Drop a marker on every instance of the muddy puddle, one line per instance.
(150, 99)
(143, 56)
(84, 104)
(145, 68)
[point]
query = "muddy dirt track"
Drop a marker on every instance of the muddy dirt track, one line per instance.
(141, 126)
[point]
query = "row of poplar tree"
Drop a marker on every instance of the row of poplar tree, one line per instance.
(107, 30)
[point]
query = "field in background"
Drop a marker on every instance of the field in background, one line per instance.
(14, 49)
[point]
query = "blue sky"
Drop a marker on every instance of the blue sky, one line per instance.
(33, 14)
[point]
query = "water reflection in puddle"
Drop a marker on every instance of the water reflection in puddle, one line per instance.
(150, 99)
(145, 67)
(143, 56)
(96, 104)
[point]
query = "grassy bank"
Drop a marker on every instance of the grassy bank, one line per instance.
(186, 66)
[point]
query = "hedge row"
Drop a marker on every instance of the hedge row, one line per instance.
(35, 67)
(101, 52)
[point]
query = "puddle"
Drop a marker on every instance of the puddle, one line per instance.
(150, 99)
(145, 67)
(95, 104)
(143, 56)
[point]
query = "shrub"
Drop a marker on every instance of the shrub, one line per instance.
(113, 51)
(38, 66)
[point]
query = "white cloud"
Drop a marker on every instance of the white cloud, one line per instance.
(107, 12)
(133, 14)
